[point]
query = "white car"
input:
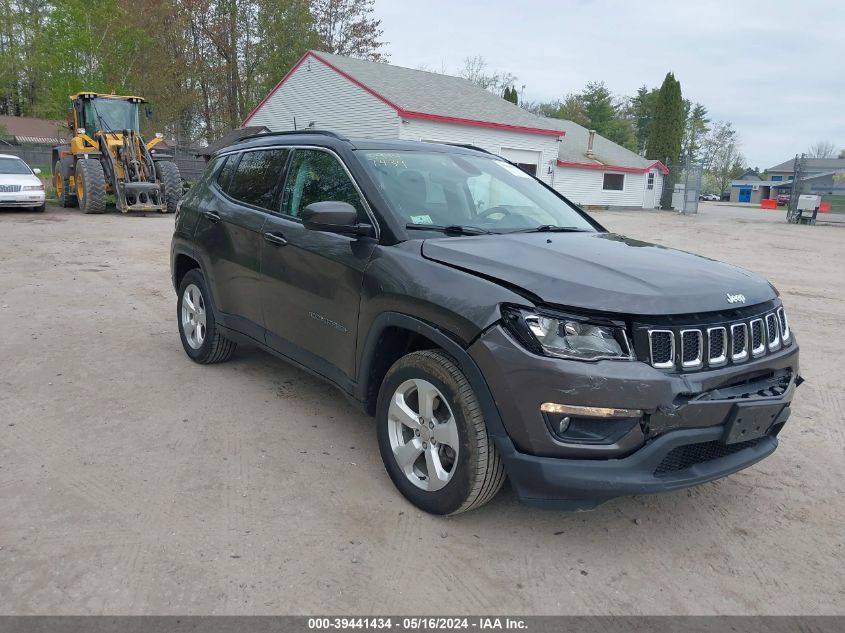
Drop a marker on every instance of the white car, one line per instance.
(19, 184)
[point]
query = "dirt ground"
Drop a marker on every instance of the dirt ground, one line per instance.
(133, 481)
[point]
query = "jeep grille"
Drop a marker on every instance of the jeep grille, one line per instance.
(691, 348)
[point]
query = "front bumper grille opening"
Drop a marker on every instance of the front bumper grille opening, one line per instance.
(772, 331)
(691, 345)
(785, 334)
(683, 457)
(717, 346)
(739, 340)
(758, 345)
(662, 348)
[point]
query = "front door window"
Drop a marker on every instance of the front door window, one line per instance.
(317, 176)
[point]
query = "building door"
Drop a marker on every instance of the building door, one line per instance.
(527, 160)
(650, 200)
(745, 194)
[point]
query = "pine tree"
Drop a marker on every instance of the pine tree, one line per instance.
(511, 95)
(667, 134)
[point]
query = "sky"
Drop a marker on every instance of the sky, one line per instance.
(774, 68)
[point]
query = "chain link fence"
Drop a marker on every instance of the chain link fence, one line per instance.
(41, 156)
(682, 187)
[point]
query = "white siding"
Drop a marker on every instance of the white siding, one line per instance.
(491, 139)
(314, 92)
(584, 187)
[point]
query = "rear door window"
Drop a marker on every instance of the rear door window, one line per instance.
(257, 177)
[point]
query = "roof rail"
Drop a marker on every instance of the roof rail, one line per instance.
(339, 137)
(473, 147)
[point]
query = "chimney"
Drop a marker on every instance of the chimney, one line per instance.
(590, 143)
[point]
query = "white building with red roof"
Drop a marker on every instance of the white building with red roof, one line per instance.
(359, 98)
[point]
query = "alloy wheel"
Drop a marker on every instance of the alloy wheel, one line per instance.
(193, 316)
(423, 434)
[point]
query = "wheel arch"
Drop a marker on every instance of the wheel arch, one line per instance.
(391, 336)
(182, 264)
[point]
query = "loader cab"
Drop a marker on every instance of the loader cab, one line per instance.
(96, 112)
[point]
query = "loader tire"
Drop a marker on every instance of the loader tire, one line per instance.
(171, 185)
(90, 186)
(64, 195)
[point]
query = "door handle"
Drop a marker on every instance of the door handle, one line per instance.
(213, 217)
(276, 239)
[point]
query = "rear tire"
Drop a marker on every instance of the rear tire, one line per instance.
(418, 459)
(201, 338)
(63, 192)
(171, 184)
(90, 186)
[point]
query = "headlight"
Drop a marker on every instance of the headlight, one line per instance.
(32, 188)
(568, 336)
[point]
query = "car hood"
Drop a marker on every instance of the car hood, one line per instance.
(19, 179)
(602, 271)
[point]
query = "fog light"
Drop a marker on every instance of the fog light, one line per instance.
(590, 412)
(589, 425)
(563, 424)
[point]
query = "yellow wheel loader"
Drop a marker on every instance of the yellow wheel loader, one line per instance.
(107, 155)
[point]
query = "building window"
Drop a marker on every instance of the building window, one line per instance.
(777, 178)
(529, 168)
(614, 182)
(650, 184)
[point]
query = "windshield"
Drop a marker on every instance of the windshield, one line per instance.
(110, 115)
(13, 166)
(447, 190)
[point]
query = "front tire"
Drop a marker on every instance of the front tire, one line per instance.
(40, 208)
(171, 184)
(63, 193)
(201, 338)
(90, 186)
(432, 436)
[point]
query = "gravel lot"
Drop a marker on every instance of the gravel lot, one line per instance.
(133, 481)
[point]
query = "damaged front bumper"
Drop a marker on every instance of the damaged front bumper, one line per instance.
(681, 429)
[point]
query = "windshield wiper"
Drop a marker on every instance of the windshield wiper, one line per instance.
(553, 228)
(455, 229)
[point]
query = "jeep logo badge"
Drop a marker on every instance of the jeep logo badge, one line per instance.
(736, 298)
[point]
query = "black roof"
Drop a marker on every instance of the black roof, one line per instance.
(327, 138)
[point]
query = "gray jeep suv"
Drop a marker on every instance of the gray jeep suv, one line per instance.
(492, 327)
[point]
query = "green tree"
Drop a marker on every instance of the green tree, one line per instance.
(598, 107)
(347, 27)
(570, 109)
(607, 115)
(667, 133)
(511, 95)
(695, 131)
(642, 107)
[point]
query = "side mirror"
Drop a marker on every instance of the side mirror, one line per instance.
(334, 216)
(36, 171)
(148, 113)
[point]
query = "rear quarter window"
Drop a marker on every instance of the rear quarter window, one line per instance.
(224, 174)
